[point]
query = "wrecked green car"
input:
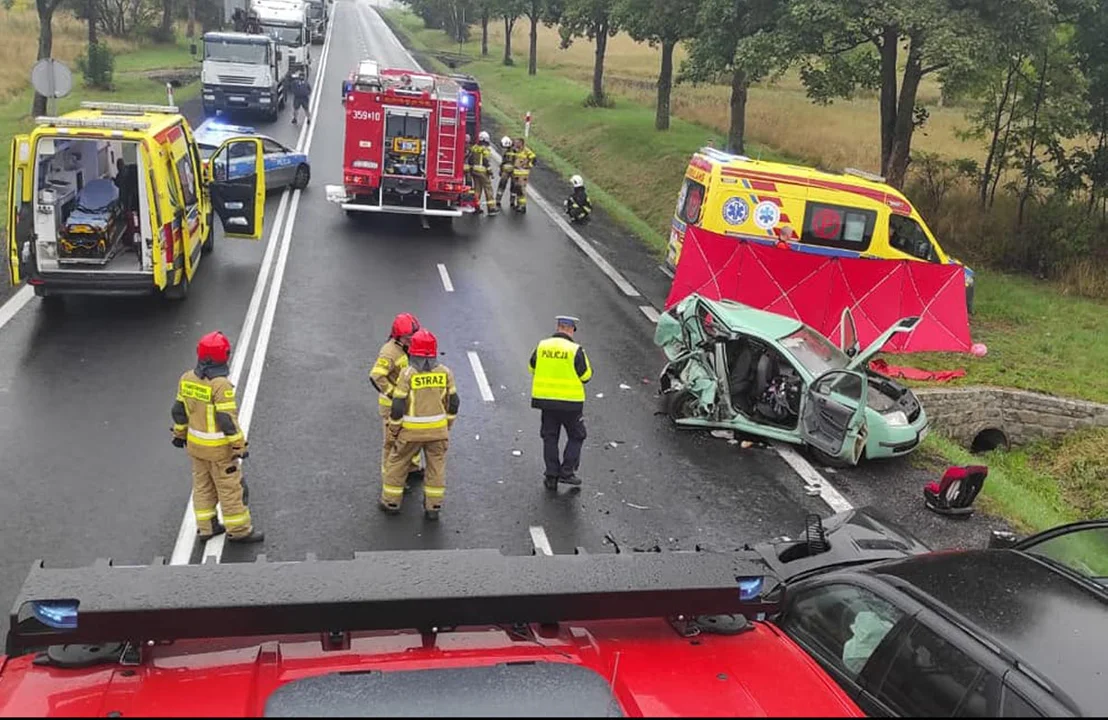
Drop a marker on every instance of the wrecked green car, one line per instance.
(734, 367)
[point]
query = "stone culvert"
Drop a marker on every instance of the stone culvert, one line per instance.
(983, 418)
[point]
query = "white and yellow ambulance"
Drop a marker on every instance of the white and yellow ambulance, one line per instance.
(113, 199)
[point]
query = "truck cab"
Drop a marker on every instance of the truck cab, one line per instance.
(286, 21)
(318, 17)
(112, 199)
(241, 71)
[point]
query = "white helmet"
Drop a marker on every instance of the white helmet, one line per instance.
(577, 181)
(483, 136)
(505, 141)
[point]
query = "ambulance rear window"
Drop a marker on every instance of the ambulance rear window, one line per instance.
(690, 201)
(838, 226)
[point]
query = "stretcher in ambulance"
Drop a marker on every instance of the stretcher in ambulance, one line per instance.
(848, 214)
(113, 199)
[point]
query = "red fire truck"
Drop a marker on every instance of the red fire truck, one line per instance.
(404, 148)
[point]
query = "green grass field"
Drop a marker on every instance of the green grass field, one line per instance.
(1038, 337)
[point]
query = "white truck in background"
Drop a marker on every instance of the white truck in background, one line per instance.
(286, 21)
(241, 71)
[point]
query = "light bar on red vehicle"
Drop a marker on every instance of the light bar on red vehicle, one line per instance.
(390, 590)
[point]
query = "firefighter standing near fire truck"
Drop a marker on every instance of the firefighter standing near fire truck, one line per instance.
(205, 422)
(480, 169)
(524, 161)
(424, 406)
(507, 165)
(391, 361)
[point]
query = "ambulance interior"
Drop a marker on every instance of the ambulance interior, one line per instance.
(91, 207)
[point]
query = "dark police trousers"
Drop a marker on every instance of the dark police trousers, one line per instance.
(552, 423)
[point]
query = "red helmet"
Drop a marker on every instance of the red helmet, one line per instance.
(213, 347)
(424, 344)
(404, 324)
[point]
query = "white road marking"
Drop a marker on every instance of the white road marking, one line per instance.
(539, 540)
(479, 372)
(446, 284)
(812, 478)
(186, 535)
(809, 474)
(650, 312)
(15, 303)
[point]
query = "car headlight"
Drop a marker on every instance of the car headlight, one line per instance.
(896, 418)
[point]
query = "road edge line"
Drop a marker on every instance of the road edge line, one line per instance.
(15, 303)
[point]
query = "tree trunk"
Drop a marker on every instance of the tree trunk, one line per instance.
(890, 43)
(1033, 134)
(994, 142)
(901, 152)
(190, 29)
(45, 46)
(167, 20)
(485, 33)
(90, 8)
(508, 23)
(533, 52)
(665, 86)
(598, 63)
(740, 84)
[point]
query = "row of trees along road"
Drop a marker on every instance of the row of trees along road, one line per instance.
(1032, 74)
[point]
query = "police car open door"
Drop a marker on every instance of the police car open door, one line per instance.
(833, 415)
(20, 218)
(237, 187)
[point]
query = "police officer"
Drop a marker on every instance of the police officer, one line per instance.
(424, 406)
(577, 204)
(561, 368)
(301, 97)
(524, 161)
(391, 360)
(507, 165)
(205, 421)
(478, 160)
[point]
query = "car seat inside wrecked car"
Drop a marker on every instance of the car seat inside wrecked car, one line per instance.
(763, 386)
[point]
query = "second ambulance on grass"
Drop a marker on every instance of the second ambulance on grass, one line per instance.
(852, 214)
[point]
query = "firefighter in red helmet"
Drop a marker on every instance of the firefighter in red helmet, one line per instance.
(424, 406)
(392, 358)
(205, 422)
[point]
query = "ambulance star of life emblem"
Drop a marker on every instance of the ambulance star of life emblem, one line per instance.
(735, 211)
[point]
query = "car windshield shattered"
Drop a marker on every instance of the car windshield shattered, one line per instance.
(814, 352)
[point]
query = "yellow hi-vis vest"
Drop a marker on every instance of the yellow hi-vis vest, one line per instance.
(555, 375)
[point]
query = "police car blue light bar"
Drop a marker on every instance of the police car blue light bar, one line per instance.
(58, 614)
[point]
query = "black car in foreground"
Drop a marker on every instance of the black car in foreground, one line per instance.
(1016, 630)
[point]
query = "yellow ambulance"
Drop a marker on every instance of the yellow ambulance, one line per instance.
(113, 199)
(852, 214)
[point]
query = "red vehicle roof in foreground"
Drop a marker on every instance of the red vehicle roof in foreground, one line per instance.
(443, 632)
(650, 669)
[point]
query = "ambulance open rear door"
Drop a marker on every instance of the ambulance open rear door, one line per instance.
(20, 207)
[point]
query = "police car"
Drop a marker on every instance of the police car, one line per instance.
(283, 166)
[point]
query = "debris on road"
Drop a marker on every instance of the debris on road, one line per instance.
(732, 441)
(723, 434)
(476, 437)
(624, 386)
(747, 444)
(600, 395)
(517, 453)
(637, 507)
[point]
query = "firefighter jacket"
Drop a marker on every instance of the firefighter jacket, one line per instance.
(205, 414)
(392, 359)
(507, 161)
(478, 159)
(424, 404)
(524, 161)
(577, 204)
(560, 368)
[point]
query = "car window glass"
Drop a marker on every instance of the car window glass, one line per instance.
(1015, 706)
(1084, 550)
(187, 179)
(843, 624)
(983, 700)
(907, 236)
(816, 353)
(929, 677)
(270, 146)
(690, 202)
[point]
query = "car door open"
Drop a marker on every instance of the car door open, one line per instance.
(832, 414)
(238, 188)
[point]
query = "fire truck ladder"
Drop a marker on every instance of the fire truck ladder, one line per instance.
(446, 161)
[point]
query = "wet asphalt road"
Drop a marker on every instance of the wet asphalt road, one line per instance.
(89, 470)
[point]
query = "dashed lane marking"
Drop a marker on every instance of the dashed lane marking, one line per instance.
(15, 303)
(446, 284)
(539, 540)
(650, 312)
(479, 372)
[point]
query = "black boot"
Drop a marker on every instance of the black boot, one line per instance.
(550, 482)
(255, 536)
(388, 509)
(570, 479)
(217, 529)
(432, 515)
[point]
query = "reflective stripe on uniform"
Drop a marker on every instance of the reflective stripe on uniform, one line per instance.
(414, 422)
(236, 520)
(180, 427)
(433, 492)
(204, 515)
(226, 406)
(215, 439)
(384, 400)
(392, 490)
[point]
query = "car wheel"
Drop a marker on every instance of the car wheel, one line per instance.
(178, 292)
(303, 175)
(827, 460)
(682, 404)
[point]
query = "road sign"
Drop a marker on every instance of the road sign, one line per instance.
(51, 79)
